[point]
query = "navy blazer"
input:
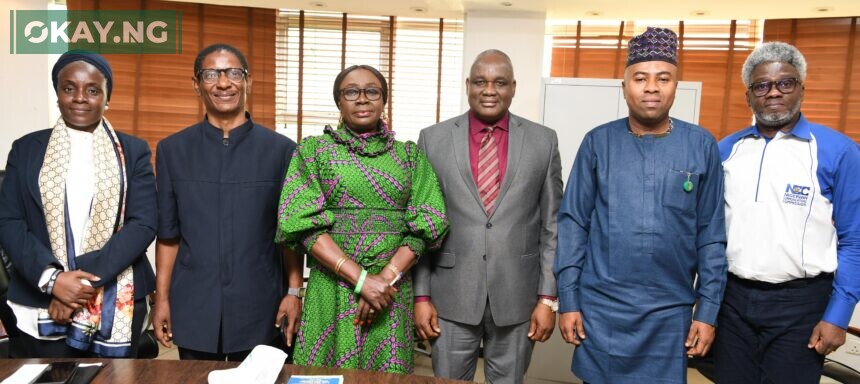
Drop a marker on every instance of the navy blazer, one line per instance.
(24, 234)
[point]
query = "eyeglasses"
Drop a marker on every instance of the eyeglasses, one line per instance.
(212, 75)
(352, 94)
(784, 86)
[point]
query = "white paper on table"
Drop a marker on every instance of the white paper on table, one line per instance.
(26, 374)
(263, 365)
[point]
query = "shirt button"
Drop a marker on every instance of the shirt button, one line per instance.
(489, 225)
(485, 257)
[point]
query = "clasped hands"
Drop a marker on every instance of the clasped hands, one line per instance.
(72, 290)
(377, 293)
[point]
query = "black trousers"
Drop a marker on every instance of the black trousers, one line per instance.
(763, 331)
(190, 354)
(24, 346)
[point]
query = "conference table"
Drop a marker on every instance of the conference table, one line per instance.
(134, 371)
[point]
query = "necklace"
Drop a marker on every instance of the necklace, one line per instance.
(656, 135)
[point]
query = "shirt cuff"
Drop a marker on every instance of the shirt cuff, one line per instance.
(838, 311)
(553, 298)
(568, 301)
(421, 299)
(46, 275)
(168, 232)
(706, 312)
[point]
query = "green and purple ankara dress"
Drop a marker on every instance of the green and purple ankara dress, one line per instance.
(372, 195)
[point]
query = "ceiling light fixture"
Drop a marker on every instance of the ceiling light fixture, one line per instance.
(418, 9)
(699, 13)
(594, 13)
(317, 4)
(823, 9)
(507, 3)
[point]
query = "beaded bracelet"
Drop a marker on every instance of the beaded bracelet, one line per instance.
(360, 282)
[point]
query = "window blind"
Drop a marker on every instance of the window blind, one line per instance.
(420, 58)
(711, 52)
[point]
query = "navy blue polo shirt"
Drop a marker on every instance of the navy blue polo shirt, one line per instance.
(218, 196)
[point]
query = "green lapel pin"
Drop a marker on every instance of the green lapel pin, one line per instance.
(688, 185)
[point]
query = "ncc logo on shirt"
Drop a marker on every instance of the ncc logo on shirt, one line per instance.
(796, 194)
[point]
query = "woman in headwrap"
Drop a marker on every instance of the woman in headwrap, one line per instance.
(77, 212)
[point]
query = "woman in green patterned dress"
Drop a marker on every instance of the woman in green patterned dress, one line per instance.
(365, 207)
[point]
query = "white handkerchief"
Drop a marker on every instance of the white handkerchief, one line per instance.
(262, 366)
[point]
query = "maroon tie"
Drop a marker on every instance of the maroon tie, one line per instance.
(488, 170)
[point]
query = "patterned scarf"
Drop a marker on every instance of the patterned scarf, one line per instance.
(103, 325)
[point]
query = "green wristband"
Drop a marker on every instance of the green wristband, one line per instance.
(360, 282)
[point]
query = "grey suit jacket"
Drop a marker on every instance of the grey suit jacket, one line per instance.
(507, 257)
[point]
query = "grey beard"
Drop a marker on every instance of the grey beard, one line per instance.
(776, 119)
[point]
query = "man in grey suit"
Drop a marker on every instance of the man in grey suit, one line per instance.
(492, 279)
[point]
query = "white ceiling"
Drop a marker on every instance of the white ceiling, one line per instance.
(576, 9)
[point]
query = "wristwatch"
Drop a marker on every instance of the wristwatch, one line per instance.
(297, 292)
(552, 304)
